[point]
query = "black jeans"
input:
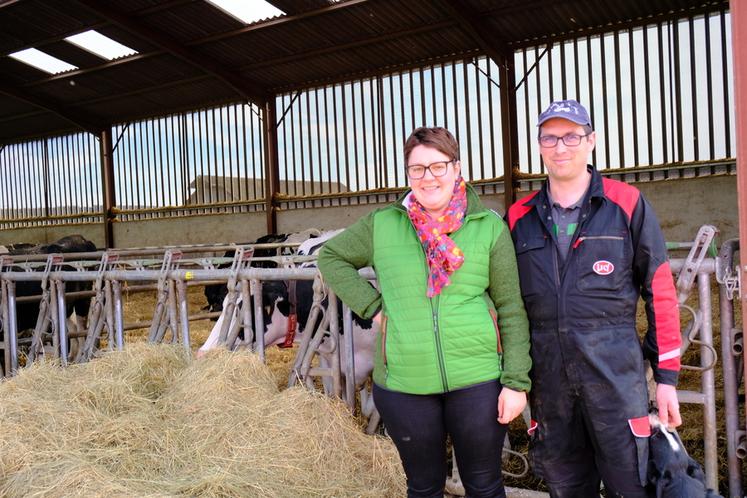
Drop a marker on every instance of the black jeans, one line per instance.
(418, 425)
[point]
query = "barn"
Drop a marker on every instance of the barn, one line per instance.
(203, 129)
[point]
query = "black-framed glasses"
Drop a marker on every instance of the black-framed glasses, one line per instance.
(570, 140)
(439, 168)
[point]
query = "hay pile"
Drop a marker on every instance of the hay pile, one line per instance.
(148, 422)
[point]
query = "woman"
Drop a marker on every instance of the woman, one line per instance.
(453, 352)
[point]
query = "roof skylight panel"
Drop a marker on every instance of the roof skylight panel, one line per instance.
(248, 11)
(42, 60)
(101, 45)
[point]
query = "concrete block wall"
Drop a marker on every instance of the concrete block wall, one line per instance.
(682, 205)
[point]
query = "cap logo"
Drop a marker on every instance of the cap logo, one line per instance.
(603, 267)
(563, 107)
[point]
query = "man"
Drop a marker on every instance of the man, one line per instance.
(587, 248)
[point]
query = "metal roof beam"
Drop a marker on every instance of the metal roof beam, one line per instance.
(247, 89)
(87, 122)
(474, 27)
(347, 46)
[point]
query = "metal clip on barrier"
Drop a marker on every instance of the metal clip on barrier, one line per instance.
(229, 330)
(164, 315)
(101, 311)
(49, 314)
(698, 251)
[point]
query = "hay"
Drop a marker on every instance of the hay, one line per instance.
(148, 422)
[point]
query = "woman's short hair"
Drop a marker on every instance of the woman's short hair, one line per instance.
(436, 137)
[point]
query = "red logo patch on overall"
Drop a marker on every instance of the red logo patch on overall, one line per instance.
(603, 267)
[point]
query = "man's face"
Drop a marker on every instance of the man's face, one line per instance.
(565, 162)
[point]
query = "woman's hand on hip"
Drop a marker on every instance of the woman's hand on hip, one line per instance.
(510, 404)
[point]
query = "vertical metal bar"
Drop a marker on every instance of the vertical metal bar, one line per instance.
(327, 138)
(288, 144)
(731, 383)
(107, 186)
(662, 93)
(303, 134)
(605, 100)
(423, 119)
(363, 132)
(509, 127)
(349, 352)
(538, 93)
(24, 177)
(395, 147)
(12, 326)
(259, 325)
(675, 53)
(618, 101)
(92, 190)
(170, 164)
(529, 134)
(290, 174)
(633, 102)
(310, 143)
(118, 315)
(271, 165)
(491, 119)
(647, 86)
(61, 319)
(319, 127)
(181, 293)
(694, 90)
(479, 118)
(337, 135)
(468, 121)
(355, 136)
(443, 96)
(575, 69)
(709, 87)
(345, 132)
(241, 152)
(384, 148)
(405, 133)
(412, 101)
(563, 84)
(550, 80)
(4, 314)
(224, 133)
(214, 196)
(708, 382)
(590, 75)
(725, 91)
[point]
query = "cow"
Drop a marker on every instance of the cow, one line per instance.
(215, 294)
(27, 312)
(278, 304)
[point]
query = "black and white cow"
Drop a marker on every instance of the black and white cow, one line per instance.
(28, 312)
(215, 294)
(275, 296)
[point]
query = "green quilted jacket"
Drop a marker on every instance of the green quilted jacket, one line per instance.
(474, 331)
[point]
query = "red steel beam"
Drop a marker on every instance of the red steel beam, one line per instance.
(739, 52)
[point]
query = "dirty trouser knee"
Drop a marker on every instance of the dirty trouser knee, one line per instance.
(418, 425)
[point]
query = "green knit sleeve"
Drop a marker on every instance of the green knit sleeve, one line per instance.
(505, 292)
(339, 262)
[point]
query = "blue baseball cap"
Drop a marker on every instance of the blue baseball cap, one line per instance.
(566, 109)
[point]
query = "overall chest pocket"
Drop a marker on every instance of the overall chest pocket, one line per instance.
(533, 263)
(604, 262)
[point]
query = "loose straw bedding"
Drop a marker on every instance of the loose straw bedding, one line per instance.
(149, 422)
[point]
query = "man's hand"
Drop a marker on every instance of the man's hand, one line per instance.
(669, 406)
(510, 404)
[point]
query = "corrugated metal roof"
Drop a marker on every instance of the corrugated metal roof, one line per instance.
(192, 54)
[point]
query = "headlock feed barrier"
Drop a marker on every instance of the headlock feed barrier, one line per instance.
(171, 270)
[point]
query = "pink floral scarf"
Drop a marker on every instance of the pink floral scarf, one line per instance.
(442, 254)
